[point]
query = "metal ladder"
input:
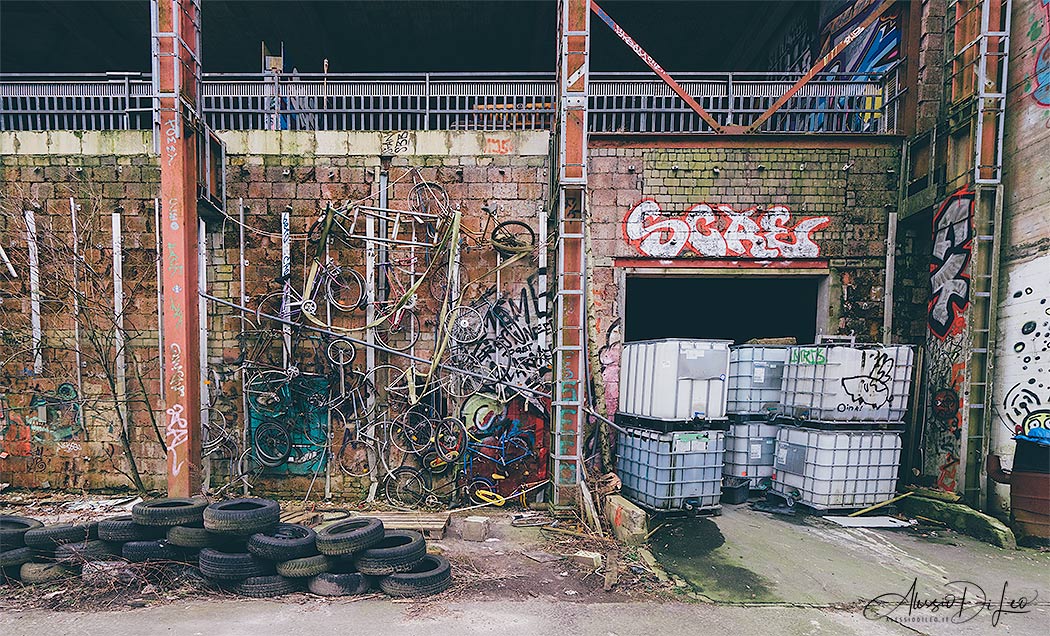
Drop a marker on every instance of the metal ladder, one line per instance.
(993, 44)
(570, 359)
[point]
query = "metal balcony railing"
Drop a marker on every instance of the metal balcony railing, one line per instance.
(631, 103)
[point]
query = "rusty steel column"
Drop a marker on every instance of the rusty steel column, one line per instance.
(176, 76)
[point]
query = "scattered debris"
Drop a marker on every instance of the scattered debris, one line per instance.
(541, 557)
(870, 522)
(588, 559)
(475, 528)
(611, 570)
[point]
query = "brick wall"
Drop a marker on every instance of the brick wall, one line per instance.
(838, 197)
(267, 172)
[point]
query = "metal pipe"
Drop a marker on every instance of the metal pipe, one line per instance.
(34, 289)
(244, 324)
(891, 262)
(76, 310)
(160, 300)
(119, 342)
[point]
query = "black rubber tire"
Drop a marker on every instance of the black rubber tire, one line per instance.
(34, 573)
(232, 566)
(171, 511)
(242, 516)
(399, 551)
(49, 537)
(190, 537)
(267, 586)
(341, 584)
(433, 574)
(83, 552)
(15, 558)
(124, 528)
(305, 567)
(143, 551)
(285, 542)
(347, 537)
(12, 530)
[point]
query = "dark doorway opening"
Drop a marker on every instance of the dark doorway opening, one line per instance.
(724, 308)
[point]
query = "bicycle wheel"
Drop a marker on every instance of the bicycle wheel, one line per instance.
(459, 384)
(214, 435)
(428, 198)
(437, 284)
(435, 465)
(513, 237)
(399, 331)
(412, 433)
(340, 352)
(272, 442)
(272, 312)
(358, 452)
(478, 488)
(266, 391)
(345, 288)
(450, 438)
(405, 487)
(465, 324)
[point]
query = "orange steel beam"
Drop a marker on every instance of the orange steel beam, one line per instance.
(821, 63)
(177, 65)
(659, 70)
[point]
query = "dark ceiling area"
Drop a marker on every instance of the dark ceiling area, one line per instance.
(386, 36)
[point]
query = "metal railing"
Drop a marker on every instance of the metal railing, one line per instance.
(619, 103)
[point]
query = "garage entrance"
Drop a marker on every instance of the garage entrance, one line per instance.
(720, 307)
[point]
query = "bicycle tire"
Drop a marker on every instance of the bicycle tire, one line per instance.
(217, 436)
(513, 237)
(272, 443)
(438, 283)
(405, 487)
(463, 385)
(465, 324)
(423, 193)
(450, 439)
(272, 306)
(345, 289)
(412, 433)
(264, 390)
(340, 352)
(358, 453)
(401, 336)
(479, 483)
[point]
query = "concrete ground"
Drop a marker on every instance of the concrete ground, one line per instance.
(748, 556)
(745, 572)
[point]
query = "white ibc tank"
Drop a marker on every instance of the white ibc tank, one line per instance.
(829, 383)
(674, 379)
(756, 378)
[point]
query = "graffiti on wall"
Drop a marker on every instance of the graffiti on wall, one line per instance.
(949, 267)
(1024, 343)
(609, 356)
(511, 349)
(720, 231)
(1041, 71)
(874, 51)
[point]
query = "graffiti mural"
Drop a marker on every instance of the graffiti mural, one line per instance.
(1024, 345)
(874, 51)
(1041, 72)
(949, 267)
(720, 231)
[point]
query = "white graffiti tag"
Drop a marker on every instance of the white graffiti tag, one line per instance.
(176, 434)
(721, 232)
(177, 383)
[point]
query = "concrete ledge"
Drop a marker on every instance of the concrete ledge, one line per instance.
(77, 142)
(450, 143)
(629, 523)
(961, 518)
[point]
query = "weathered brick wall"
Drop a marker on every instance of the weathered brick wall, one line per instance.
(930, 87)
(266, 172)
(837, 199)
(49, 436)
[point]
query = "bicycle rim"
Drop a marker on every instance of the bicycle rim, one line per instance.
(513, 237)
(272, 443)
(345, 289)
(405, 487)
(466, 325)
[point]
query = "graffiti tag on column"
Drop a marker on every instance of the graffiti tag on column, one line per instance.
(872, 388)
(173, 212)
(177, 432)
(721, 231)
(177, 383)
(171, 137)
(497, 146)
(949, 280)
(396, 143)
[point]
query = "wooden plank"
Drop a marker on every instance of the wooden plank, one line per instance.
(431, 525)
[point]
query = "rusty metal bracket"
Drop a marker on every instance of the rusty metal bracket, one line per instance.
(821, 63)
(659, 70)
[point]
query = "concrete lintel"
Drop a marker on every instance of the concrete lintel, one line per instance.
(77, 142)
